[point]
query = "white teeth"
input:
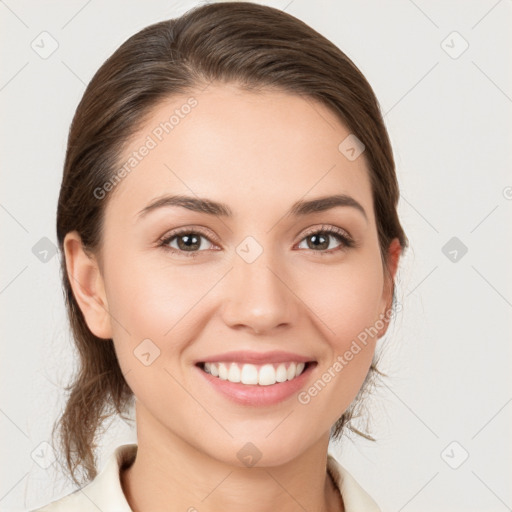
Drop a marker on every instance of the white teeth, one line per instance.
(263, 375)
(291, 371)
(249, 374)
(234, 373)
(281, 373)
(267, 375)
(223, 371)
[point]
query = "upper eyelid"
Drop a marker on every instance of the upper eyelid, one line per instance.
(184, 230)
(325, 227)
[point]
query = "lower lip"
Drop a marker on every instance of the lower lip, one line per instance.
(254, 394)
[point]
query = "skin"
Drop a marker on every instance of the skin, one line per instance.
(247, 150)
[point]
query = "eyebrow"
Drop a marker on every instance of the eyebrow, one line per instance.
(210, 207)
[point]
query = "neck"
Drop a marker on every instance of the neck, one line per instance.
(169, 474)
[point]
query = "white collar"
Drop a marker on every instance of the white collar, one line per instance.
(106, 494)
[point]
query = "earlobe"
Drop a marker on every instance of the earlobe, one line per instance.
(88, 287)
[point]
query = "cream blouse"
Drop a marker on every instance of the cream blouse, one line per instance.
(105, 493)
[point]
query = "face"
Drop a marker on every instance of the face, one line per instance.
(270, 294)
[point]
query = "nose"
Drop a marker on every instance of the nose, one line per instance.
(258, 296)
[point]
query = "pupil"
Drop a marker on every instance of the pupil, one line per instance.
(189, 241)
(316, 238)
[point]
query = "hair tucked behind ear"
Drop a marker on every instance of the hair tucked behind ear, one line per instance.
(251, 45)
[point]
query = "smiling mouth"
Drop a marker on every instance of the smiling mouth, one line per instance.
(254, 374)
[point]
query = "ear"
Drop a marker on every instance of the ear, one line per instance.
(394, 253)
(88, 287)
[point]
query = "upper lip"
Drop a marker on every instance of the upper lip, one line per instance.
(240, 356)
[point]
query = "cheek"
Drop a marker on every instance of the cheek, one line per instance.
(347, 308)
(151, 315)
(149, 298)
(346, 302)
(151, 301)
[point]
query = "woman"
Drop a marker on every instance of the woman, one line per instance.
(230, 240)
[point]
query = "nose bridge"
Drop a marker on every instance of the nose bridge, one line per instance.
(257, 297)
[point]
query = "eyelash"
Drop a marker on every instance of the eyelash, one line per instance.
(341, 235)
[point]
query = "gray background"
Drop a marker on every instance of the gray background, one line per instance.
(448, 112)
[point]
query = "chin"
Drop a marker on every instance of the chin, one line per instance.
(259, 449)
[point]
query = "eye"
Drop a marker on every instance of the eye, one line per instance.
(320, 239)
(188, 241)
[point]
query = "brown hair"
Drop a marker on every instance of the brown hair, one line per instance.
(254, 46)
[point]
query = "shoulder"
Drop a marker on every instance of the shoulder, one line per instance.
(103, 493)
(355, 498)
(76, 501)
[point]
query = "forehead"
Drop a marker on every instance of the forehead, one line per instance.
(242, 148)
